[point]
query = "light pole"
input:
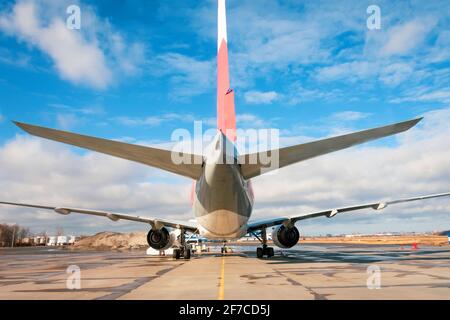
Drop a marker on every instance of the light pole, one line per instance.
(13, 236)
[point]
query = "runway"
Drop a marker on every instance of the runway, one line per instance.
(306, 272)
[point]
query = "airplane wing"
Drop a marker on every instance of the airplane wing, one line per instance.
(290, 221)
(159, 158)
(154, 222)
(253, 165)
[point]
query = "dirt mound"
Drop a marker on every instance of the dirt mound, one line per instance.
(113, 240)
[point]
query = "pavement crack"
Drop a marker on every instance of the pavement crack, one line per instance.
(316, 295)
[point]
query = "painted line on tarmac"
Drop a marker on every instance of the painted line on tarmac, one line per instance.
(221, 294)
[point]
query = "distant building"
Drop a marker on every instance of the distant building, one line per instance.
(73, 239)
(39, 241)
(62, 240)
(51, 241)
(45, 241)
(249, 238)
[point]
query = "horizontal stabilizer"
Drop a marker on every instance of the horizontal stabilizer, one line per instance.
(252, 166)
(158, 158)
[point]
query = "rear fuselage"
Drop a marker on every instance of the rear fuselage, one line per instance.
(223, 199)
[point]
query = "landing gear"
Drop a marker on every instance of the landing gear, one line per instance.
(176, 253)
(224, 248)
(269, 252)
(187, 253)
(264, 250)
(259, 252)
(184, 250)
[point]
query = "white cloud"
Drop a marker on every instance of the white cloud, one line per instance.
(441, 50)
(128, 56)
(38, 171)
(14, 58)
(438, 95)
(75, 59)
(349, 116)
(67, 121)
(250, 120)
(387, 72)
(298, 94)
(268, 36)
(417, 165)
(259, 97)
(154, 121)
(79, 56)
(396, 73)
(89, 110)
(189, 76)
(404, 38)
(426, 94)
(350, 71)
(35, 170)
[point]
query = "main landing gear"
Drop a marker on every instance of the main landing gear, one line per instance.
(264, 250)
(184, 250)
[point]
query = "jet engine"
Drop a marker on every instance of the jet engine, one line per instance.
(284, 237)
(161, 239)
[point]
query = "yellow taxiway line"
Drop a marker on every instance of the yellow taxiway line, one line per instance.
(221, 294)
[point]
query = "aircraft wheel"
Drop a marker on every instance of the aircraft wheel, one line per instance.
(270, 252)
(176, 253)
(187, 253)
(259, 252)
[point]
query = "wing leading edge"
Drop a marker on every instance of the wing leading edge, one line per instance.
(155, 223)
(290, 221)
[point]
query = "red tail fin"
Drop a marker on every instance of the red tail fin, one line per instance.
(226, 117)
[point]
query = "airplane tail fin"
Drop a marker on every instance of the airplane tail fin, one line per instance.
(226, 117)
(255, 164)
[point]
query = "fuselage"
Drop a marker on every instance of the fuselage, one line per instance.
(223, 199)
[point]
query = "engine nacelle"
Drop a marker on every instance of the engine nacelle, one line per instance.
(284, 237)
(161, 239)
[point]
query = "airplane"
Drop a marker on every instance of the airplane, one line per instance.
(222, 192)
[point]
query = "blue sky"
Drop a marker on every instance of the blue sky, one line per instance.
(137, 70)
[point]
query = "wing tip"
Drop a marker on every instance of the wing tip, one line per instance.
(21, 125)
(410, 123)
(29, 128)
(417, 120)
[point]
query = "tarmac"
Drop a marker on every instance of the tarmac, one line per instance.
(319, 271)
